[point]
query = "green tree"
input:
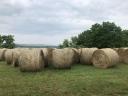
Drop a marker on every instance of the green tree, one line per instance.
(1, 41)
(73, 42)
(105, 35)
(82, 39)
(66, 43)
(8, 41)
(60, 46)
(125, 38)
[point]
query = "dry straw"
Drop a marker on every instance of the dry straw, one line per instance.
(105, 58)
(47, 55)
(76, 56)
(121, 53)
(45, 51)
(2, 54)
(116, 49)
(9, 56)
(86, 55)
(16, 55)
(63, 58)
(125, 57)
(31, 60)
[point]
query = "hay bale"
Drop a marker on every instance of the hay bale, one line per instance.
(50, 54)
(9, 56)
(31, 60)
(121, 53)
(2, 54)
(45, 51)
(125, 56)
(86, 55)
(47, 55)
(115, 49)
(105, 58)
(62, 58)
(76, 58)
(16, 55)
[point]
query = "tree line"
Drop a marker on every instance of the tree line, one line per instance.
(105, 35)
(7, 41)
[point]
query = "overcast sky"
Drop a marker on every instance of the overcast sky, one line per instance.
(51, 21)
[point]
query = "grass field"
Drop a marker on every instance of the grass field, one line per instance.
(79, 81)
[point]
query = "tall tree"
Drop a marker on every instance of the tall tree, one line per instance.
(105, 35)
(83, 40)
(1, 41)
(8, 41)
(73, 42)
(125, 37)
(66, 43)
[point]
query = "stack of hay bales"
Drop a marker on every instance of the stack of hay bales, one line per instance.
(9, 56)
(63, 58)
(35, 59)
(2, 54)
(31, 60)
(105, 58)
(86, 55)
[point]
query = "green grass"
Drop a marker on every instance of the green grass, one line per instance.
(79, 81)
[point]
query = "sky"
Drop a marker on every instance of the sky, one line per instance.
(51, 21)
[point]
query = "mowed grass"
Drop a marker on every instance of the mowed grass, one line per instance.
(80, 80)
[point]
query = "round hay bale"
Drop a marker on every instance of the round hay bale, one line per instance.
(2, 54)
(23, 49)
(50, 54)
(62, 58)
(16, 55)
(9, 56)
(121, 53)
(105, 58)
(45, 51)
(115, 49)
(86, 55)
(31, 60)
(125, 56)
(47, 55)
(76, 56)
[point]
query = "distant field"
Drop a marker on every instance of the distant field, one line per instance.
(79, 81)
(35, 46)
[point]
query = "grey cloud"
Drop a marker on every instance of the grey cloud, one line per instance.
(8, 11)
(50, 17)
